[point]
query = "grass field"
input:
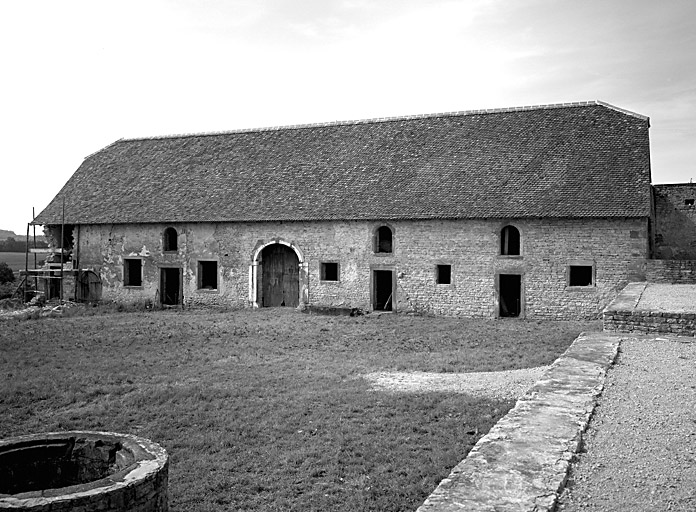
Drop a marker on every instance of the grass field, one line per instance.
(266, 410)
(16, 260)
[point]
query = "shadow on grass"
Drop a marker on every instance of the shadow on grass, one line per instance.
(267, 410)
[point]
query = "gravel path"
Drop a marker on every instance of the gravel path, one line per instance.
(641, 443)
(499, 385)
(674, 298)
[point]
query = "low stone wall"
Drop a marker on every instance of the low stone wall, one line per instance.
(624, 314)
(650, 322)
(671, 271)
(522, 463)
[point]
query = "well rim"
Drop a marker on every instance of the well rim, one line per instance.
(149, 460)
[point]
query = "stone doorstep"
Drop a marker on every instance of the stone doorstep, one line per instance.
(523, 462)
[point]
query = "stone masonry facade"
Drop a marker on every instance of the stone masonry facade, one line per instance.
(671, 271)
(615, 249)
(675, 221)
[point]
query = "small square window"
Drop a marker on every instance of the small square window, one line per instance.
(132, 272)
(328, 271)
(207, 275)
(444, 274)
(580, 275)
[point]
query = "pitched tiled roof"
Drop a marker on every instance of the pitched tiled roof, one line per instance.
(573, 160)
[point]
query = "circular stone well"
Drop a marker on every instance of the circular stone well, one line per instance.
(61, 471)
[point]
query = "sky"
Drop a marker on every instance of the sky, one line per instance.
(76, 76)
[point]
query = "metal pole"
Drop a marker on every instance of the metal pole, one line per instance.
(36, 279)
(26, 267)
(62, 250)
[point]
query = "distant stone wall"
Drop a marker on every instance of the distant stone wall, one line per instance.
(671, 271)
(675, 221)
(614, 249)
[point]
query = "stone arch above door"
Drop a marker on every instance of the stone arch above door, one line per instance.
(303, 275)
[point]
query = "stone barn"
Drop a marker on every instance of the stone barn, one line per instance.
(537, 212)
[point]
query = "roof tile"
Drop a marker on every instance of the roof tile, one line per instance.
(577, 160)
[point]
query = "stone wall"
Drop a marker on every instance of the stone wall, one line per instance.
(650, 322)
(616, 250)
(625, 314)
(671, 271)
(675, 221)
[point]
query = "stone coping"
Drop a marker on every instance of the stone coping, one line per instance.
(628, 298)
(522, 463)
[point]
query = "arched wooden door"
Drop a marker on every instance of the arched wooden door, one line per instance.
(280, 276)
(89, 286)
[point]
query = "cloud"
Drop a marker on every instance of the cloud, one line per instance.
(82, 73)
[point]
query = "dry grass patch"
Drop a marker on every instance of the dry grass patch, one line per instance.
(268, 410)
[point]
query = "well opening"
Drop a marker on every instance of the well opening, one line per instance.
(64, 471)
(55, 463)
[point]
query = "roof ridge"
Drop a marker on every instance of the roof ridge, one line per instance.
(622, 110)
(105, 147)
(388, 119)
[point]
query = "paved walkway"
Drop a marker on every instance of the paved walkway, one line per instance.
(523, 462)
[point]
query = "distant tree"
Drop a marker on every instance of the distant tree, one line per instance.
(14, 245)
(6, 274)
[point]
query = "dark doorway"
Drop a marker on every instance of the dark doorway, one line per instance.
(53, 286)
(280, 277)
(510, 294)
(170, 286)
(89, 286)
(383, 293)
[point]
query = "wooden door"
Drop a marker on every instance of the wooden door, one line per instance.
(170, 286)
(281, 276)
(89, 287)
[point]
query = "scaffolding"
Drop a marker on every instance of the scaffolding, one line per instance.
(51, 272)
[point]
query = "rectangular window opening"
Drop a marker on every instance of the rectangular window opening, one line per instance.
(580, 275)
(328, 271)
(132, 272)
(444, 274)
(207, 275)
